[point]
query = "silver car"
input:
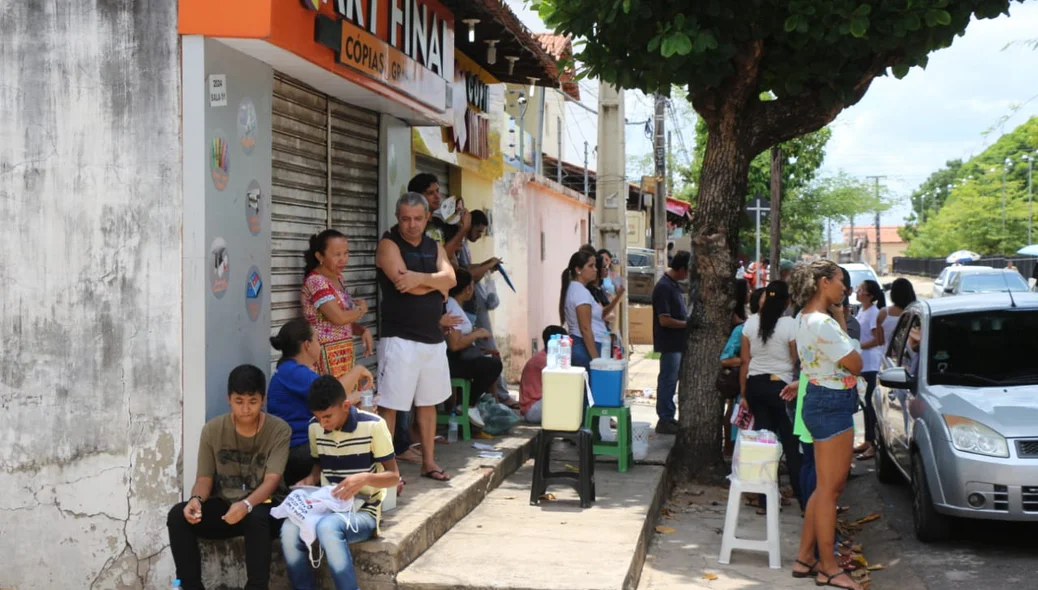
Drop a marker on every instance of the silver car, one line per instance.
(986, 281)
(957, 409)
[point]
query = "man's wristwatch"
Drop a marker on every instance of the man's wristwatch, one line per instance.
(199, 498)
(248, 504)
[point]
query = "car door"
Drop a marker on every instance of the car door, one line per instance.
(888, 401)
(938, 285)
(901, 420)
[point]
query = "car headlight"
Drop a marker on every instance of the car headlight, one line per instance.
(971, 436)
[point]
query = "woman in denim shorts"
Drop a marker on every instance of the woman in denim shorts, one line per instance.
(831, 363)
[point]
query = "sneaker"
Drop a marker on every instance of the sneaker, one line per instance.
(475, 418)
(667, 427)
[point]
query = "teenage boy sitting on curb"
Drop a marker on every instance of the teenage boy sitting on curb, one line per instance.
(244, 454)
(354, 453)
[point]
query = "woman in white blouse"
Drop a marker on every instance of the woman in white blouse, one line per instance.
(578, 309)
(870, 294)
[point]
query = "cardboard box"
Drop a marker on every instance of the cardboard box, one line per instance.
(639, 322)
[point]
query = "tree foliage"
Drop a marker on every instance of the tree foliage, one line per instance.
(971, 216)
(930, 197)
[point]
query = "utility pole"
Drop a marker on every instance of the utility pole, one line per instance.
(829, 242)
(659, 203)
(776, 209)
(1005, 170)
(558, 163)
(758, 207)
(879, 247)
(611, 187)
(670, 169)
(854, 248)
(1030, 195)
(586, 187)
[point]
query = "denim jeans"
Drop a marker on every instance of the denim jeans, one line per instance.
(667, 384)
(580, 355)
(334, 535)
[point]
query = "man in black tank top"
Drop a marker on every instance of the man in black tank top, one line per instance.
(414, 276)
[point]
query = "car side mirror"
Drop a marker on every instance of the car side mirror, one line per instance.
(895, 378)
(949, 290)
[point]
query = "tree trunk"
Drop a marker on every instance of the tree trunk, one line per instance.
(715, 234)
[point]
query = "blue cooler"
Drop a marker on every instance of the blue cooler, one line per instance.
(608, 382)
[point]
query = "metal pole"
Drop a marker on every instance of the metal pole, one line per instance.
(659, 203)
(522, 136)
(854, 249)
(1030, 206)
(1005, 168)
(879, 246)
(558, 164)
(586, 187)
(757, 259)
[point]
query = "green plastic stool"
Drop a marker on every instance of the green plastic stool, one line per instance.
(464, 422)
(621, 448)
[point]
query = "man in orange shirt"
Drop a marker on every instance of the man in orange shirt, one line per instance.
(530, 385)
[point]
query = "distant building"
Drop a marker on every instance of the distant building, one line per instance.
(891, 244)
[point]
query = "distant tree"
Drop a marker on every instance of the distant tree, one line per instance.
(815, 57)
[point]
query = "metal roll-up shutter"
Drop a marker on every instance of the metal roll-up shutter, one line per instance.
(354, 206)
(441, 170)
(312, 135)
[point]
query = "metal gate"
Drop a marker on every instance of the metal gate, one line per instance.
(324, 174)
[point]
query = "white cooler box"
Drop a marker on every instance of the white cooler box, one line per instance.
(562, 399)
(756, 456)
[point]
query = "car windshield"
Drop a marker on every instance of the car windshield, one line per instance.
(984, 348)
(636, 259)
(858, 276)
(983, 283)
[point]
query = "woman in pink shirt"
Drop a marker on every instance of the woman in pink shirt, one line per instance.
(530, 389)
(327, 304)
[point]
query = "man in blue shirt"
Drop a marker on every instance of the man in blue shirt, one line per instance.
(669, 318)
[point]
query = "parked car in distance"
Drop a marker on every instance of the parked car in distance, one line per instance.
(949, 273)
(957, 409)
(641, 274)
(860, 272)
(986, 281)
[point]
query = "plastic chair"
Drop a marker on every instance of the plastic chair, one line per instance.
(622, 447)
(462, 409)
(582, 481)
(731, 521)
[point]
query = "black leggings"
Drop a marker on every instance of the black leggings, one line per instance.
(870, 411)
(482, 371)
(769, 413)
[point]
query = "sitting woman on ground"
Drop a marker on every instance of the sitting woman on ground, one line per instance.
(290, 388)
(480, 366)
(870, 294)
(327, 304)
(732, 361)
(831, 364)
(579, 311)
(768, 352)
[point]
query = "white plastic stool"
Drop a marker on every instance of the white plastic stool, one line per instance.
(731, 520)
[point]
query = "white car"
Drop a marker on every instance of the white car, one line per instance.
(949, 274)
(860, 272)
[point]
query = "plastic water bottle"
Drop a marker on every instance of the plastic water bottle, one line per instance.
(452, 429)
(176, 583)
(553, 352)
(565, 352)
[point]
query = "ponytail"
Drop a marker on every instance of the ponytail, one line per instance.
(290, 338)
(576, 262)
(318, 243)
(776, 300)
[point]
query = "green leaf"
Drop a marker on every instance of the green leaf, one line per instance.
(900, 70)
(859, 26)
(654, 44)
(667, 49)
(791, 23)
(936, 17)
(912, 22)
(682, 44)
(627, 6)
(679, 22)
(863, 10)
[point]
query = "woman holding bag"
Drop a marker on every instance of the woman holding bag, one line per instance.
(327, 304)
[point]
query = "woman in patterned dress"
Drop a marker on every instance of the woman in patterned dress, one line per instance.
(327, 304)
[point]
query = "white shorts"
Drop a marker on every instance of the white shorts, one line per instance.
(412, 372)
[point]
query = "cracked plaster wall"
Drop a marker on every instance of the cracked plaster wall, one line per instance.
(90, 292)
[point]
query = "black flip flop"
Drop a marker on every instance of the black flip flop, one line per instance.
(829, 580)
(431, 475)
(811, 571)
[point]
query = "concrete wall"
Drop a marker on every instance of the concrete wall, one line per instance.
(90, 311)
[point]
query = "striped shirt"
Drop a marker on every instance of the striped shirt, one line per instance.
(360, 446)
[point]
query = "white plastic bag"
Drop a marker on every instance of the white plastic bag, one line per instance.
(306, 506)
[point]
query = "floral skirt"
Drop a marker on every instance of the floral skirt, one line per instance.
(336, 358)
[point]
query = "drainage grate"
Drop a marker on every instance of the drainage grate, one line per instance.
(1027, 449)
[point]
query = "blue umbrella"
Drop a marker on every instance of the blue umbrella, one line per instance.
(1031, 250)
(504, 276)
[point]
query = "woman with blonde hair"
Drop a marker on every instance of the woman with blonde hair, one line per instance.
(831, 363)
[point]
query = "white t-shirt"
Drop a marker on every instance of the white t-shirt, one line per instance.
(577, 295)
(454, 308)
(821, 343)
(869, 357)
(772, 357)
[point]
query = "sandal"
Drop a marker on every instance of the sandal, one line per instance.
(868, 454)
(811, 571)
(437, 475)
(411, 455)
(829, 580)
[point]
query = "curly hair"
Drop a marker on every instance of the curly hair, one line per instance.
(803, 282)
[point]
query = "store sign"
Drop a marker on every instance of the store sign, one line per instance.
(471, 131)
(405, 44)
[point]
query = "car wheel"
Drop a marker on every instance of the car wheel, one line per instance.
(886, 470)
(929, 524)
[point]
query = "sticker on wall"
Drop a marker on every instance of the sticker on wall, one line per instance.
(247, 126)
(218, 90)
(253, 290)
(253, 207)
(219, 267)
(219, 160)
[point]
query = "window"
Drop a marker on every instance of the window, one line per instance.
(986, 348)
(897, 341)
(910, 354)
(992, 282)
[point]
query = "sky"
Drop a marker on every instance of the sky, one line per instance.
(902, 129)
